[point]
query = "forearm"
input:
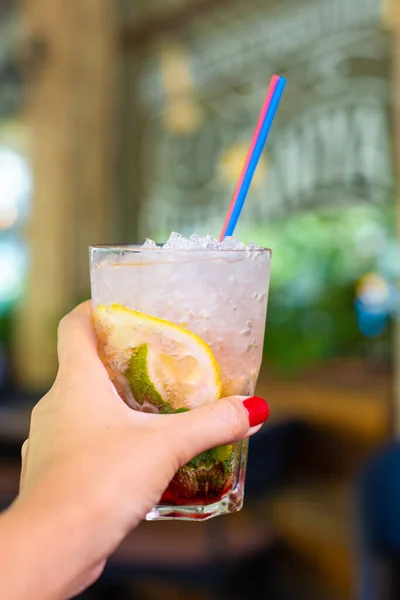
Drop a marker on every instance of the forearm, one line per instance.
(45, 548)
(26, 569)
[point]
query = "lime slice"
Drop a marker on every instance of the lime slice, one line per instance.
(166, 366)
(223, 454)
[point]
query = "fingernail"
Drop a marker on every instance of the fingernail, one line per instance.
(258, 410)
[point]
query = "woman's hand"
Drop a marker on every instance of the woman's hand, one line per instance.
(97, 466)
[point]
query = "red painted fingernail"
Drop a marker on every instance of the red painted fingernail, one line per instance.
(258, 410)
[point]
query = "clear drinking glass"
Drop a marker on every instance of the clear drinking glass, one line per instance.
(208, 310)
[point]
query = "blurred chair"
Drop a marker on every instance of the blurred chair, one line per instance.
(379, 519)
(216, 556)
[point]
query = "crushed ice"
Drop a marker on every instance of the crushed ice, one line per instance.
(149, 244)
(198, 242)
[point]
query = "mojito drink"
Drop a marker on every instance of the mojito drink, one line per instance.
(178, 327)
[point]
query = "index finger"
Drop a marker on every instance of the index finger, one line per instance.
(77, 344)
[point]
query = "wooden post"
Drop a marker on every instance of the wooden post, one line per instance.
(69, 111)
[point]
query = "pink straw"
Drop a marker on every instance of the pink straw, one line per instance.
(264, 110)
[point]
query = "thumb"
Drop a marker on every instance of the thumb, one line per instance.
(223, 422)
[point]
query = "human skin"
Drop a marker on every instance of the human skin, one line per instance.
(92, 468)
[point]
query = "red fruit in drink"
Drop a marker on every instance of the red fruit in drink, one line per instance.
(213, 481)
(184, 484)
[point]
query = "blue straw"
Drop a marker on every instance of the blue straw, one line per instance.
(258, 150)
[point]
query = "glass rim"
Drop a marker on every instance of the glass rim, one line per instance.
(135, 248)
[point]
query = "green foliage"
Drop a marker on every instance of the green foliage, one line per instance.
(318, 258)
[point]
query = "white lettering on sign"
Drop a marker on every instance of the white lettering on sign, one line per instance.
(326, 158)
(265, 35)
(330, 142)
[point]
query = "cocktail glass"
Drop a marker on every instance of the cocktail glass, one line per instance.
(178, 328)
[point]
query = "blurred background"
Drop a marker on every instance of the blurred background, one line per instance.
(124, 120)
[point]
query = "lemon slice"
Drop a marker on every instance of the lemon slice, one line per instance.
(165, 365)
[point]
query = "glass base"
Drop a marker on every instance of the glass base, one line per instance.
(227, 505)
(230, 503)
